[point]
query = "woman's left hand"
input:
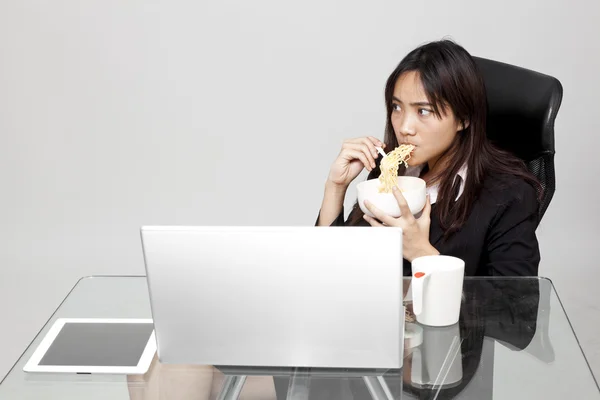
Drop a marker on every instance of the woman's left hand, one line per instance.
(415, 231)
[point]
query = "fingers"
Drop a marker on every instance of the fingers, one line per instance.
(359, 155)
(404, 209)
(369, 141)
(380, 215)
(372, 221)
(362, 149)
(375, 141)
(427, 208)
(367, 156)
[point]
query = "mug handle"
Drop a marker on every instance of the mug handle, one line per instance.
(417, 285)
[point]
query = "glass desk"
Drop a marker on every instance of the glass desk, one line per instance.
(513, 341)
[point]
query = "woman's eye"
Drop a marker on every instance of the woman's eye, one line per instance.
(396, 107)
(424, 112)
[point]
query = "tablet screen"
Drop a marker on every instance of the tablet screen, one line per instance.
(98, 344)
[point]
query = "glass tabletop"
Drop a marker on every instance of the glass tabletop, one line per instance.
(513, 341)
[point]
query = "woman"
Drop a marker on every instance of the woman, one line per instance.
(482, 202)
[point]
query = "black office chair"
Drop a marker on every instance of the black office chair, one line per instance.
(522, 107)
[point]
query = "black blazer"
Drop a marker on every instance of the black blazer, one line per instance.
(499, 235)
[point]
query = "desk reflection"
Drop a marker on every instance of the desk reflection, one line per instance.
(453, 362)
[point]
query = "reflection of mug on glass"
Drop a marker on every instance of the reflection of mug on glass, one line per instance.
(437, 363)
(437, 283)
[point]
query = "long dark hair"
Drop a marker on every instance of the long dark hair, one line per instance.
(452, 83)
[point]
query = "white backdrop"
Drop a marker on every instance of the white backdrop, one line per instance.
(116, 114)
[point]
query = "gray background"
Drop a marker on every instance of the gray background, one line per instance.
(118, 114)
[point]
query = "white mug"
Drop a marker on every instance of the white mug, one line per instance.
(436, 285)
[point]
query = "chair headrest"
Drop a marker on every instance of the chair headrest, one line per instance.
(522, 107)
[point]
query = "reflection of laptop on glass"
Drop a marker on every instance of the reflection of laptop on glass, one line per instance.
(276, 296)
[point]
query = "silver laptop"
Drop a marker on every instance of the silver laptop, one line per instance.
(327, 297)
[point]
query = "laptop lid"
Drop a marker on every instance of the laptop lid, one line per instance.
(326, 297)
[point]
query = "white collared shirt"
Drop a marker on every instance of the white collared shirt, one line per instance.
(432, 190)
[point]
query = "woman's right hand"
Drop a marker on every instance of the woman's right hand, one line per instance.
(355, 155)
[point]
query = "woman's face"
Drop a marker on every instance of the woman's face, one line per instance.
(415, 123)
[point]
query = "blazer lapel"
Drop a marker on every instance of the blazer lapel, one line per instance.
(435, 230)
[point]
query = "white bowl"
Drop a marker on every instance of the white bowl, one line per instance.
(413, 189)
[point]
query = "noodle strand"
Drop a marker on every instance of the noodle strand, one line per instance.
(389, 166)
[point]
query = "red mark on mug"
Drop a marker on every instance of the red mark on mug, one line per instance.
(419, 274)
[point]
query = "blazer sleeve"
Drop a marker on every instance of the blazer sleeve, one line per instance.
(512, 246)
